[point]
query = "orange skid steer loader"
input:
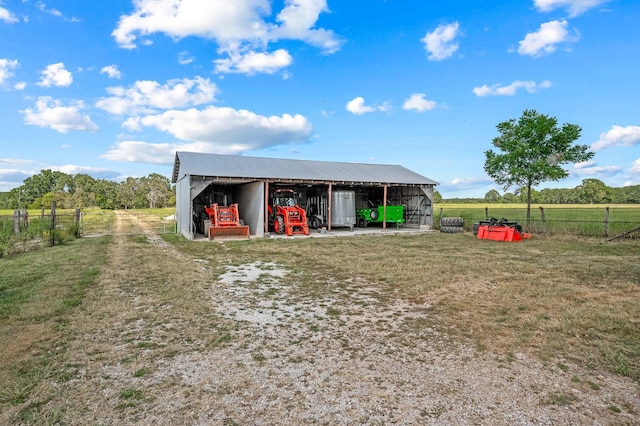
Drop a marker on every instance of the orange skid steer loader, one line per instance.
(225, 222)
(285, 215)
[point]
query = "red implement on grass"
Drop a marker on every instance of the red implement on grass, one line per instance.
(501, 230)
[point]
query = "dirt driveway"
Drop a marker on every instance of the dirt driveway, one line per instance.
(167, 339)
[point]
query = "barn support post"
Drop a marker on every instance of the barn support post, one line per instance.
(329, 207)
(384, 207)
(266, 206)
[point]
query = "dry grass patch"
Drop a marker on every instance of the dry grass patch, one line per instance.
(557, 297)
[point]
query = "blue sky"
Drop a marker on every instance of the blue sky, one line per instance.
(113, 91)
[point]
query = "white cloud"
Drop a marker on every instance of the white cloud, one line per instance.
(164, 153)
(219, 20)
(297, 21)
(6, 67)
(618, 136)
(95, 172)
(357, 106)
(459, 184)
(546, 39)
(419, 103)
(150, 96)
(591, 168)
(15, 161)
(213, 130)
(11, 178)
(184, 58)
(43, 8)
(441, 43)
(112, 71)
(56, 75)
(239, 27)
(574, 7)
(7, 16)
(510, 90)
(635, 168)
(51, 113)
(469, 182)
(253, 62)
(144, 152)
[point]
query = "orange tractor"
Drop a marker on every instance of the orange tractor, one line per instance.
(225, 222)
(285, 215)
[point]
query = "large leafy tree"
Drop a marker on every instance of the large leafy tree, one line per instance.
(532, 150)
(594, 191)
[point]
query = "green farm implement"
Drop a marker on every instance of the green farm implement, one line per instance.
(395, 214)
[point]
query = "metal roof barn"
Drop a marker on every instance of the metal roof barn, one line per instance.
(202, 179)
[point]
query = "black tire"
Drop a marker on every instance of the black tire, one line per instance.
(362, 222)
(278, 225)
(452, 221)
(451, 229)
(316, 223)
(374, 214)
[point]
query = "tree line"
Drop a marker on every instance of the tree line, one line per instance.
(590, 191)
(82, 191)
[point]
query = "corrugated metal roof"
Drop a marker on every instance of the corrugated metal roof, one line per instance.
(234, 166)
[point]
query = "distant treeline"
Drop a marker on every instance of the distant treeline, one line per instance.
(82, 191)
(591, 191)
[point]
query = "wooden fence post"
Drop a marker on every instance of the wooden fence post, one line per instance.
(486, 213)
(544, 222)
(77, 223)
(440, 218)
(52, 230)
(606, 222)
(25, 218)
(16, 221)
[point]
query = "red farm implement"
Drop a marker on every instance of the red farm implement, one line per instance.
(225, 222)
(501, 230)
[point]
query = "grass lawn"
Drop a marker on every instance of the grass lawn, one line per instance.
(556, 298)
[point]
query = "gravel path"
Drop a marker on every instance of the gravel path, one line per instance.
(248, 347)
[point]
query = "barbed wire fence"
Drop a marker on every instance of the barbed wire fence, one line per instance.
(605, 222)
(22, 231)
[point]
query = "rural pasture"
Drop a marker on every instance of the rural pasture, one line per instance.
(414, 329)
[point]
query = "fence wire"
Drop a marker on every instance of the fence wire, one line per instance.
(602, 222)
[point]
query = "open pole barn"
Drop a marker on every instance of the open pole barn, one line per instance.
(322, 188)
